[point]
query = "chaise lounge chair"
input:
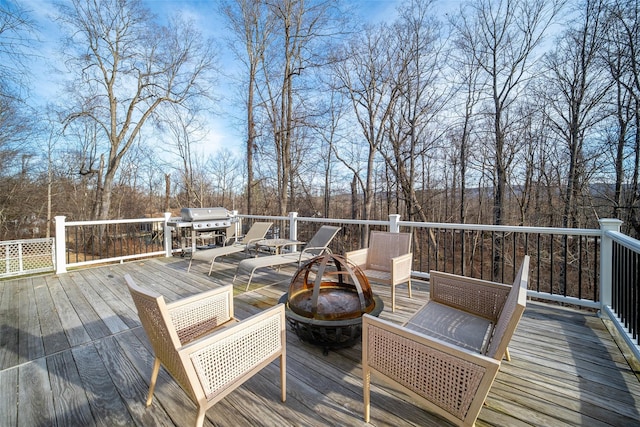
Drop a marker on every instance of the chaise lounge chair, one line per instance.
(316, 246)
(257, 232)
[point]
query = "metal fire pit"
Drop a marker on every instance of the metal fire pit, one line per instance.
(326, 300)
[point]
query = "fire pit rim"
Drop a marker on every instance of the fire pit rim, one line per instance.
(284, 299)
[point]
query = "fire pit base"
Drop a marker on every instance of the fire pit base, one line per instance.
(328, 334)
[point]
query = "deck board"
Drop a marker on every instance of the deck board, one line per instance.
(74, 353)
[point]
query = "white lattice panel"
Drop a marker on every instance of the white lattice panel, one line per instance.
(26, 256)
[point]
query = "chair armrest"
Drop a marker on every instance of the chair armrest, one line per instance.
(294, 243)
(401, 268)
(358, 257)
(449, 380)
(480, 297)
(252, 243)
(212, 361)
(198, 314)
(320, 249)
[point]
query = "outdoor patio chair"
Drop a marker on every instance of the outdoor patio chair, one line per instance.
(447, 355)
(204, 348)
(257, 232)
(387, 260)
(316, 246)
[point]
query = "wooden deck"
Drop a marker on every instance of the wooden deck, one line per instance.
(72, 353)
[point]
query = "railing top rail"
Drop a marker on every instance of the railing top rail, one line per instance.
(113, 221)
(272, 217)
(322, 220)
(624, 240)
(34, 240)
(595, 232)
(512, 228)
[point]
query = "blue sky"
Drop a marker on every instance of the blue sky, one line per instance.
(224, 130)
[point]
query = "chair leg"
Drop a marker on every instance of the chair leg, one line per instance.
(409, 285)
(283, 376)
(507, 355)
(249, 282)
(366, 385)
(200, 418)
(190, 261)
(211, 266)
(154, 377)
(393, 298)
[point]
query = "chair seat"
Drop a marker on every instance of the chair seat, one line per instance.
(454, 326)
(207, 254)
(271, 261)
(378, 275)
(194, 332)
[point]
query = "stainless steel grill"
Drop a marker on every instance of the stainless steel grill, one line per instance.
(200, 220)
(203, 219)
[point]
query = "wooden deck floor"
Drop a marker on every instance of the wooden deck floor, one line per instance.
(73, 353)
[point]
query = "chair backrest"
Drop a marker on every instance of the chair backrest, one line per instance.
(511, 313)
(156, 321)
(323, 237)
(230, 231)
(383, 246)
(257, 231)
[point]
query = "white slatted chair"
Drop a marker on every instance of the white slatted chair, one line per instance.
(447, 367)
(204, 348)
(387, 260)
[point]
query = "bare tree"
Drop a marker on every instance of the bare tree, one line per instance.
(467, 77)
(576, 85)
(503, 36)
(621, 56)
(185, 130)
(225, 172)
(252, 25)
(296, 50)
(417, 75)
(124, 68)
(17, 45)
(365, 78)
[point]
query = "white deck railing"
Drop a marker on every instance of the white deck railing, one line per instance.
(570, 266)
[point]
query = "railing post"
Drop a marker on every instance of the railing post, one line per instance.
(606, 261)
(293, 225)
(61, 243)
(235, 220)
(168, 247)
(394, 226)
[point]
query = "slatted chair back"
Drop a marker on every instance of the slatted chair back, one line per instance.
(323, 237)
(383, 246)
(257, 231)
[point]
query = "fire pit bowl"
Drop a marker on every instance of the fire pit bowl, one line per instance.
(326, 300)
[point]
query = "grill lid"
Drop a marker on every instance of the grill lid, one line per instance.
(204, 214)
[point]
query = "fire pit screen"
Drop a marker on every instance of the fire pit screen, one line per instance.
(326, 300)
